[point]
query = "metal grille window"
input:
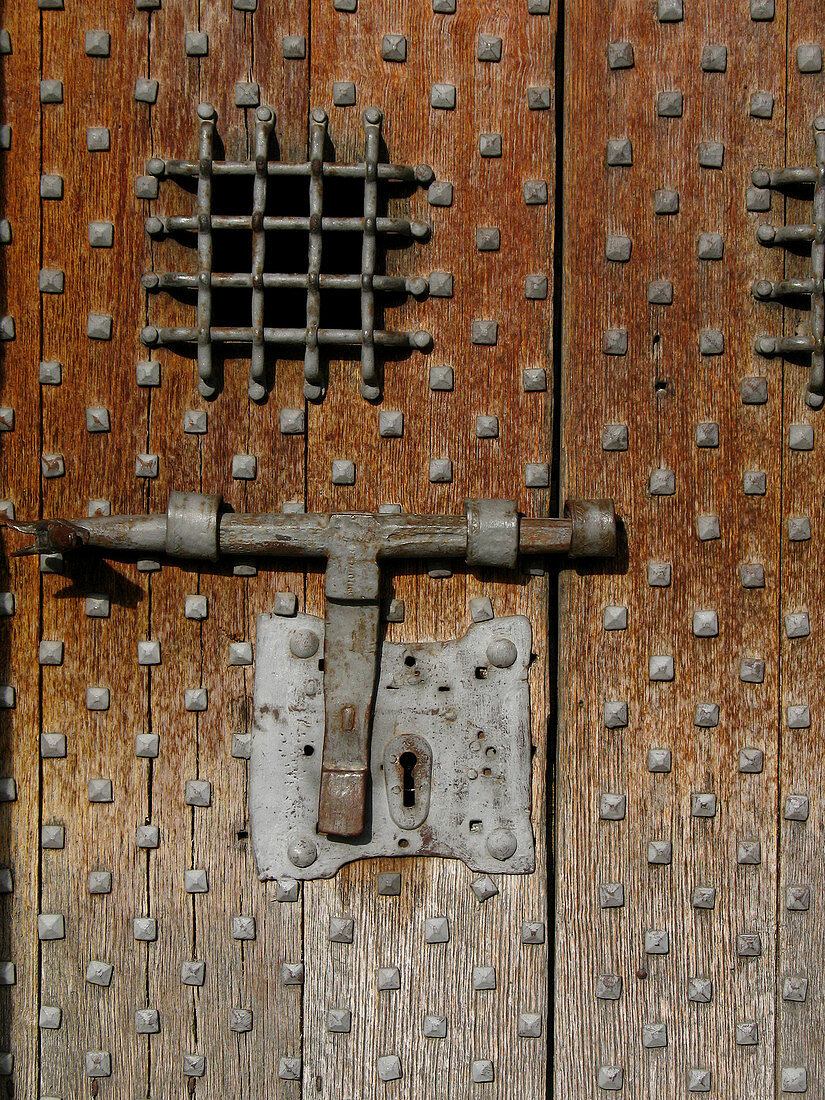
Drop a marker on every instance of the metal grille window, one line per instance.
(811, 340)
(320, 231)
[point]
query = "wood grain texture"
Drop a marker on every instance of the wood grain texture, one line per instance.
(661, 390)
(281, 458)
(103, 652)
(98, 653)
(194, 1020)
(218, 846)
(800, 954)
(239, 974)
(436, 979)
(20, 485)
(169, 986)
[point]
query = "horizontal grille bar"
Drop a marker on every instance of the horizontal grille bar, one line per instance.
(323, 336)
(420, 174)
(387, 284)
(183, 224)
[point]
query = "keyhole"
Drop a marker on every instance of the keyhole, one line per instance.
(408, 760)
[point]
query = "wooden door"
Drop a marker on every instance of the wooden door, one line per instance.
(669, 938)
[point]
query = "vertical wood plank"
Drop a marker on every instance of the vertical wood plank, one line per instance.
(240, 975)
(277, 1038)
(174, 959)
(491, 98)
(20, 488)
(667, 660)
(801, 959)
(90, 693)
(218, 844)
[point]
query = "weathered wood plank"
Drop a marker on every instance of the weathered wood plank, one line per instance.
(662, 390)
(218, 846)
(491, 98)
(20, 485)
(277, 1030)
(92, 694)
(239, 974)
(800, 1009)
(170, 988)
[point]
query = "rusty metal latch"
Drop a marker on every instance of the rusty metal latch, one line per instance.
(490, 534)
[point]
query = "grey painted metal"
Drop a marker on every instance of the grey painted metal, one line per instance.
(152, 336)
(192, 526)
(444, 700)
(372, 139)
(408, 774)
(813, 342)
(313, 534)
(593, 528)
(157, 226)
(271, 281)
(353, 544)
(258, 335)
(350, 657)
(317, 138)
(207, 383)
(492, 532)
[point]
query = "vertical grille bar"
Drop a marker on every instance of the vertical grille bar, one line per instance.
(263, 128)
(816, 386)
(372, 138)
(317, 138)
(206, 149)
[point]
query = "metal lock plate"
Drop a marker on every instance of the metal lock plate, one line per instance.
(450, 757)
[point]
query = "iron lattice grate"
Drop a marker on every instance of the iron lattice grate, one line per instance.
(811, 340)
(258, 223)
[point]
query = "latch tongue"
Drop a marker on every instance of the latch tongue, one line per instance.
(350, 655)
